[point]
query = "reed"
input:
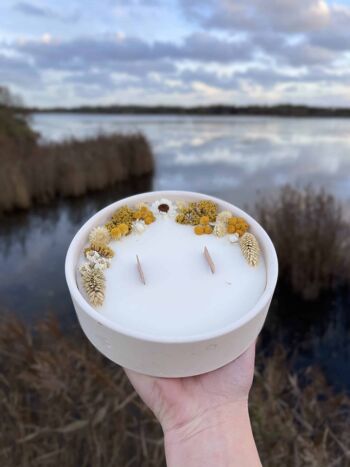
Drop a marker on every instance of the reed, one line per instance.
(62, 403)
(311, 236)
(33, 173)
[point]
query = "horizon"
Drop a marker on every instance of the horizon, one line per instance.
(176, 53)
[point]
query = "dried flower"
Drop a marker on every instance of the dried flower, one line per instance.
(105, 251)
(94, 284)
(187, 216)
(199, 229)
(205, 208)
(99, 236)
(163, 207)
(237, 225)
(250, 248)
(123, 215)
(141, 206)
(195, 211)
(223, 216)
(119, 231)
(98, 261)
(138, 226)
(220, 229)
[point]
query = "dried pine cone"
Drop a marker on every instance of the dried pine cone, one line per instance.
(250, 248)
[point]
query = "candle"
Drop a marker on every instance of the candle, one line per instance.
(168, 278)
(171, 283)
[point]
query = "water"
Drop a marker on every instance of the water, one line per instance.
(236, 158)
(232, 157)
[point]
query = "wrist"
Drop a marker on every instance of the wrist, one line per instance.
(218, 436)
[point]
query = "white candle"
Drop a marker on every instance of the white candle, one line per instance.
(181, 296)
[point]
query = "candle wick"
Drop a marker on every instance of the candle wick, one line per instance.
(139, 268)
(209, 259)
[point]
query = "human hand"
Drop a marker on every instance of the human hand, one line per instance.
(203, 409)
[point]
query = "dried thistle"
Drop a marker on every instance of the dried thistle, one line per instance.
(250, 248)
(94, 283)
(103, 250)
(99, 236)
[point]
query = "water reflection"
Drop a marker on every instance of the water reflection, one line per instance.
(33, 247)
(231, 157)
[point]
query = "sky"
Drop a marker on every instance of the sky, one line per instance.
(177, 52)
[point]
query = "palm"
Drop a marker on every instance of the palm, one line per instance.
(175, 401)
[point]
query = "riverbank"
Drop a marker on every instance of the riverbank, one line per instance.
(62, 403)
(279, 110)
(41, 173)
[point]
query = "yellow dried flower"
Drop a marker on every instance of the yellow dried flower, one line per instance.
(208, 229)
(123, 215)
(124, 228)
(103, 250)
(207, 208)
(204, 220)
(116, 233)
(237, 225)
(94, 284)
(149, 219)
(199, 230)
(188, 216)
(99, 236)
(250, 248)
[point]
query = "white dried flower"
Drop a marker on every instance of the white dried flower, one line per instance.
(163, 207)
(223, 216)
(99, 236)
(180, 204)
(98, 261)
(141, 205)
(219, 229)
(139, 226)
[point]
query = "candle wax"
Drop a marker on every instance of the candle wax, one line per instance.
(181, 297)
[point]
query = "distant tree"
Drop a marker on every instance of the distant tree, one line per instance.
(14, 126)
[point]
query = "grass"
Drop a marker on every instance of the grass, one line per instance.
(311, 237)
(62, 403)
(32, 173)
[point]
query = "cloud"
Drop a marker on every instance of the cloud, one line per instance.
(39, 12)
(18, 72)
(110, 51)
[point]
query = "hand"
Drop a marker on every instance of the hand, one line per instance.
(205, 407)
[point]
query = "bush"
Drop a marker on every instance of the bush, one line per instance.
(62, 403)
(311, 237)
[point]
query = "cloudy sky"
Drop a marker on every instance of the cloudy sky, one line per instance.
(176, 51)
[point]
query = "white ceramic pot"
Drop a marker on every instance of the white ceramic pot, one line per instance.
(178, 357)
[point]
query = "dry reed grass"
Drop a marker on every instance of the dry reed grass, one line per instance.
(311, 237)
(32, 173)
(63, 404)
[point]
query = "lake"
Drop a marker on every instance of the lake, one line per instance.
(236, 158)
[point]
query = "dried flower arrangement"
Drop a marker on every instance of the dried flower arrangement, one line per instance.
(202, 215)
